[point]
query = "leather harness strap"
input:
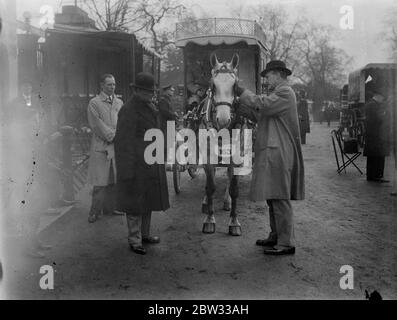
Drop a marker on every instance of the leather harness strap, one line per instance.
(219, 103)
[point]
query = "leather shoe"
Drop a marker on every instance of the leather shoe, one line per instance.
(151, 240)
(92, 218)
(266, 242)
(138, 249)
(278, 252)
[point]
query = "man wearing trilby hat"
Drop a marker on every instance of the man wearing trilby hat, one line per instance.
(278, 173)
(141, 187)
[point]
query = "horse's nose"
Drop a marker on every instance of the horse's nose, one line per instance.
(223, 122)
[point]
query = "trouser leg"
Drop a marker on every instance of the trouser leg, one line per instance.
(146, 218)
(283, 216)
(109, 204)
(97, 201)
(272, 220)
(303, 137)
(370, 174)
(110, 193)
(134, 224)
(375, 167)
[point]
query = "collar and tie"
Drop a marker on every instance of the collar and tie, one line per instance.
(106, 98)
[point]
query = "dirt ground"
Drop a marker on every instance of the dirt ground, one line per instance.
(344, 221)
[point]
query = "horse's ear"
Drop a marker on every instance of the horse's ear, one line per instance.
(235, 60)
(213, 60)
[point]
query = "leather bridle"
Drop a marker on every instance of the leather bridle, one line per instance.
(223, 69)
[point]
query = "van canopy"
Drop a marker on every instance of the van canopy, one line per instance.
(374, 76)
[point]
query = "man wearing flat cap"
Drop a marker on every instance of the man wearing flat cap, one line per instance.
(165, 108)
(141, 187)
(278, 173)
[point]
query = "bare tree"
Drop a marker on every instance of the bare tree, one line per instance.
(149, 17)
(281, 34)
(390, 32)
(146, 18)
(110, 14)
(321, 64)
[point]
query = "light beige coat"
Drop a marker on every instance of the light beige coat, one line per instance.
(102, 119)
(278, 171)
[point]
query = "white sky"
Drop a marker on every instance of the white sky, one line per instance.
(363, 42)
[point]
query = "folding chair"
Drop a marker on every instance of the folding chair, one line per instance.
(348, 149)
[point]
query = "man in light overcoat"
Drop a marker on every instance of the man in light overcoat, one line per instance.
(102, 119)
(278, 173)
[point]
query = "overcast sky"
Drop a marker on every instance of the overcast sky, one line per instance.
(363, 42)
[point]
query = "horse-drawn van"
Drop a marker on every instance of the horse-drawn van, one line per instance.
(217, 52)
(224, 37)
(363, 83)
(374, 77)
(64, 64)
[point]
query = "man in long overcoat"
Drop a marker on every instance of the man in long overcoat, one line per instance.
(141, 187)
(303, 116)
(102, 118)
(278, 173)
(377, 136)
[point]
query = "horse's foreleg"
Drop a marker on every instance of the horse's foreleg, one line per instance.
(209, 221)
(234, 224)
(226, 198)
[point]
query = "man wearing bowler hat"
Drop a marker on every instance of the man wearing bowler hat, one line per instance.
(141, 187)
(278, 173)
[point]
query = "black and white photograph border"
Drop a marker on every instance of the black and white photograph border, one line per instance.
(84, 217)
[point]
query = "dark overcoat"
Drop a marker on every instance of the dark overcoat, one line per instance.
(141, 186)
(377, 129)
(303, 115)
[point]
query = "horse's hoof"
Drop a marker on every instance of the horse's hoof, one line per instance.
(235, 230)
(208, 227)
(204, 208)
(226, 206)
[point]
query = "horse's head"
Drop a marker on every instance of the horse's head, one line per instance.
(223, 80)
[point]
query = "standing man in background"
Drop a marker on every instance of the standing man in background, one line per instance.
(377, 136)
(303, 115)
(166, 111)
(165, 107)
(102, 119)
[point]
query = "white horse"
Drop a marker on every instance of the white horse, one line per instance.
(219, 114)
